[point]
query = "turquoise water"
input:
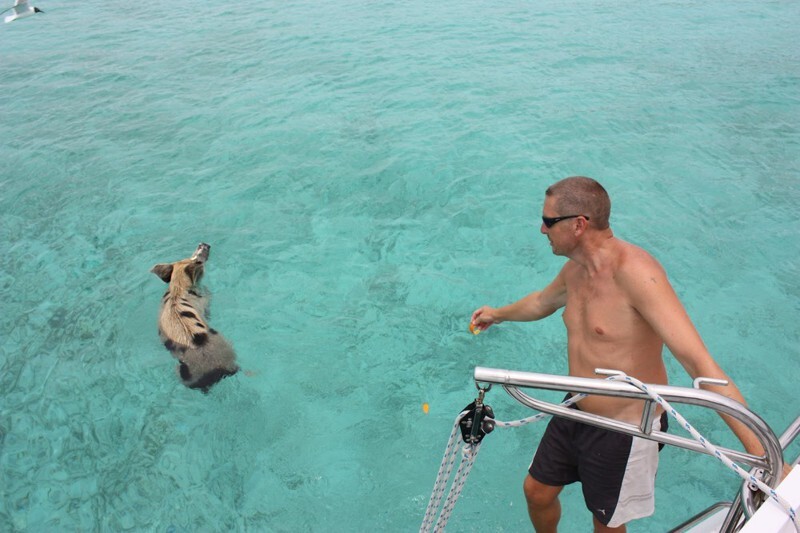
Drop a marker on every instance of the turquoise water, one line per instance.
(367, 174)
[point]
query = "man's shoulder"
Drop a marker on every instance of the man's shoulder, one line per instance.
(634, 262)
(632, 253)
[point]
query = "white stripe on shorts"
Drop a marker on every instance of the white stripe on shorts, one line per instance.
(637, 496)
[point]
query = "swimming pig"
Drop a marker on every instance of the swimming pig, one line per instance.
(204, 356)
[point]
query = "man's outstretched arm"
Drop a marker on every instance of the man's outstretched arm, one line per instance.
(535, 306)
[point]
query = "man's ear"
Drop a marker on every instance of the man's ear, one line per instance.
(581, 225)
(163, 271)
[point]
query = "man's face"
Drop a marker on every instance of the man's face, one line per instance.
(559, 234)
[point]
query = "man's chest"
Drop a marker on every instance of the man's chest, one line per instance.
(599, 308)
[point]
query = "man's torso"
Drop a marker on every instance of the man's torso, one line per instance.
(604, 330)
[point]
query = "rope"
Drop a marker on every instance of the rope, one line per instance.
(535, 418)
(713, 449)
(469, 453)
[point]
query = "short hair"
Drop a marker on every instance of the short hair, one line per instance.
(579, 195)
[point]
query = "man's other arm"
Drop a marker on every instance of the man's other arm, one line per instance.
(654, 298)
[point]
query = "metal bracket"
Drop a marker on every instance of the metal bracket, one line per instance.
(608, 372)
(710, 381)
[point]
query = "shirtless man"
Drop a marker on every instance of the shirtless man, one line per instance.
(620, 310)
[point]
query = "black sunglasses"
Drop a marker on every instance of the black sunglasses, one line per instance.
(549, 222)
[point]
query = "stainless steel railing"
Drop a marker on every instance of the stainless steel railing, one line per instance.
(748, 499)
(771, 462)
(789, 435)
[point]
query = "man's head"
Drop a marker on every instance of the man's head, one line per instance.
(579, 195)
(572, 207)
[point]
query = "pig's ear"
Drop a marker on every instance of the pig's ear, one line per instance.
(163, 271)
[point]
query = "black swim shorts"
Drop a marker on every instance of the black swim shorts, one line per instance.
(617, 472)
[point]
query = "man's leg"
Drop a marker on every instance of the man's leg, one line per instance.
(600, 528)
(543, 505)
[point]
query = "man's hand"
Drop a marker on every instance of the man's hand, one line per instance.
(484, 317)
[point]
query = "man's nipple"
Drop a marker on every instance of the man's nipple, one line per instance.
(599, 330)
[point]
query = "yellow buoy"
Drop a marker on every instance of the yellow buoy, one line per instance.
(425, 408)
